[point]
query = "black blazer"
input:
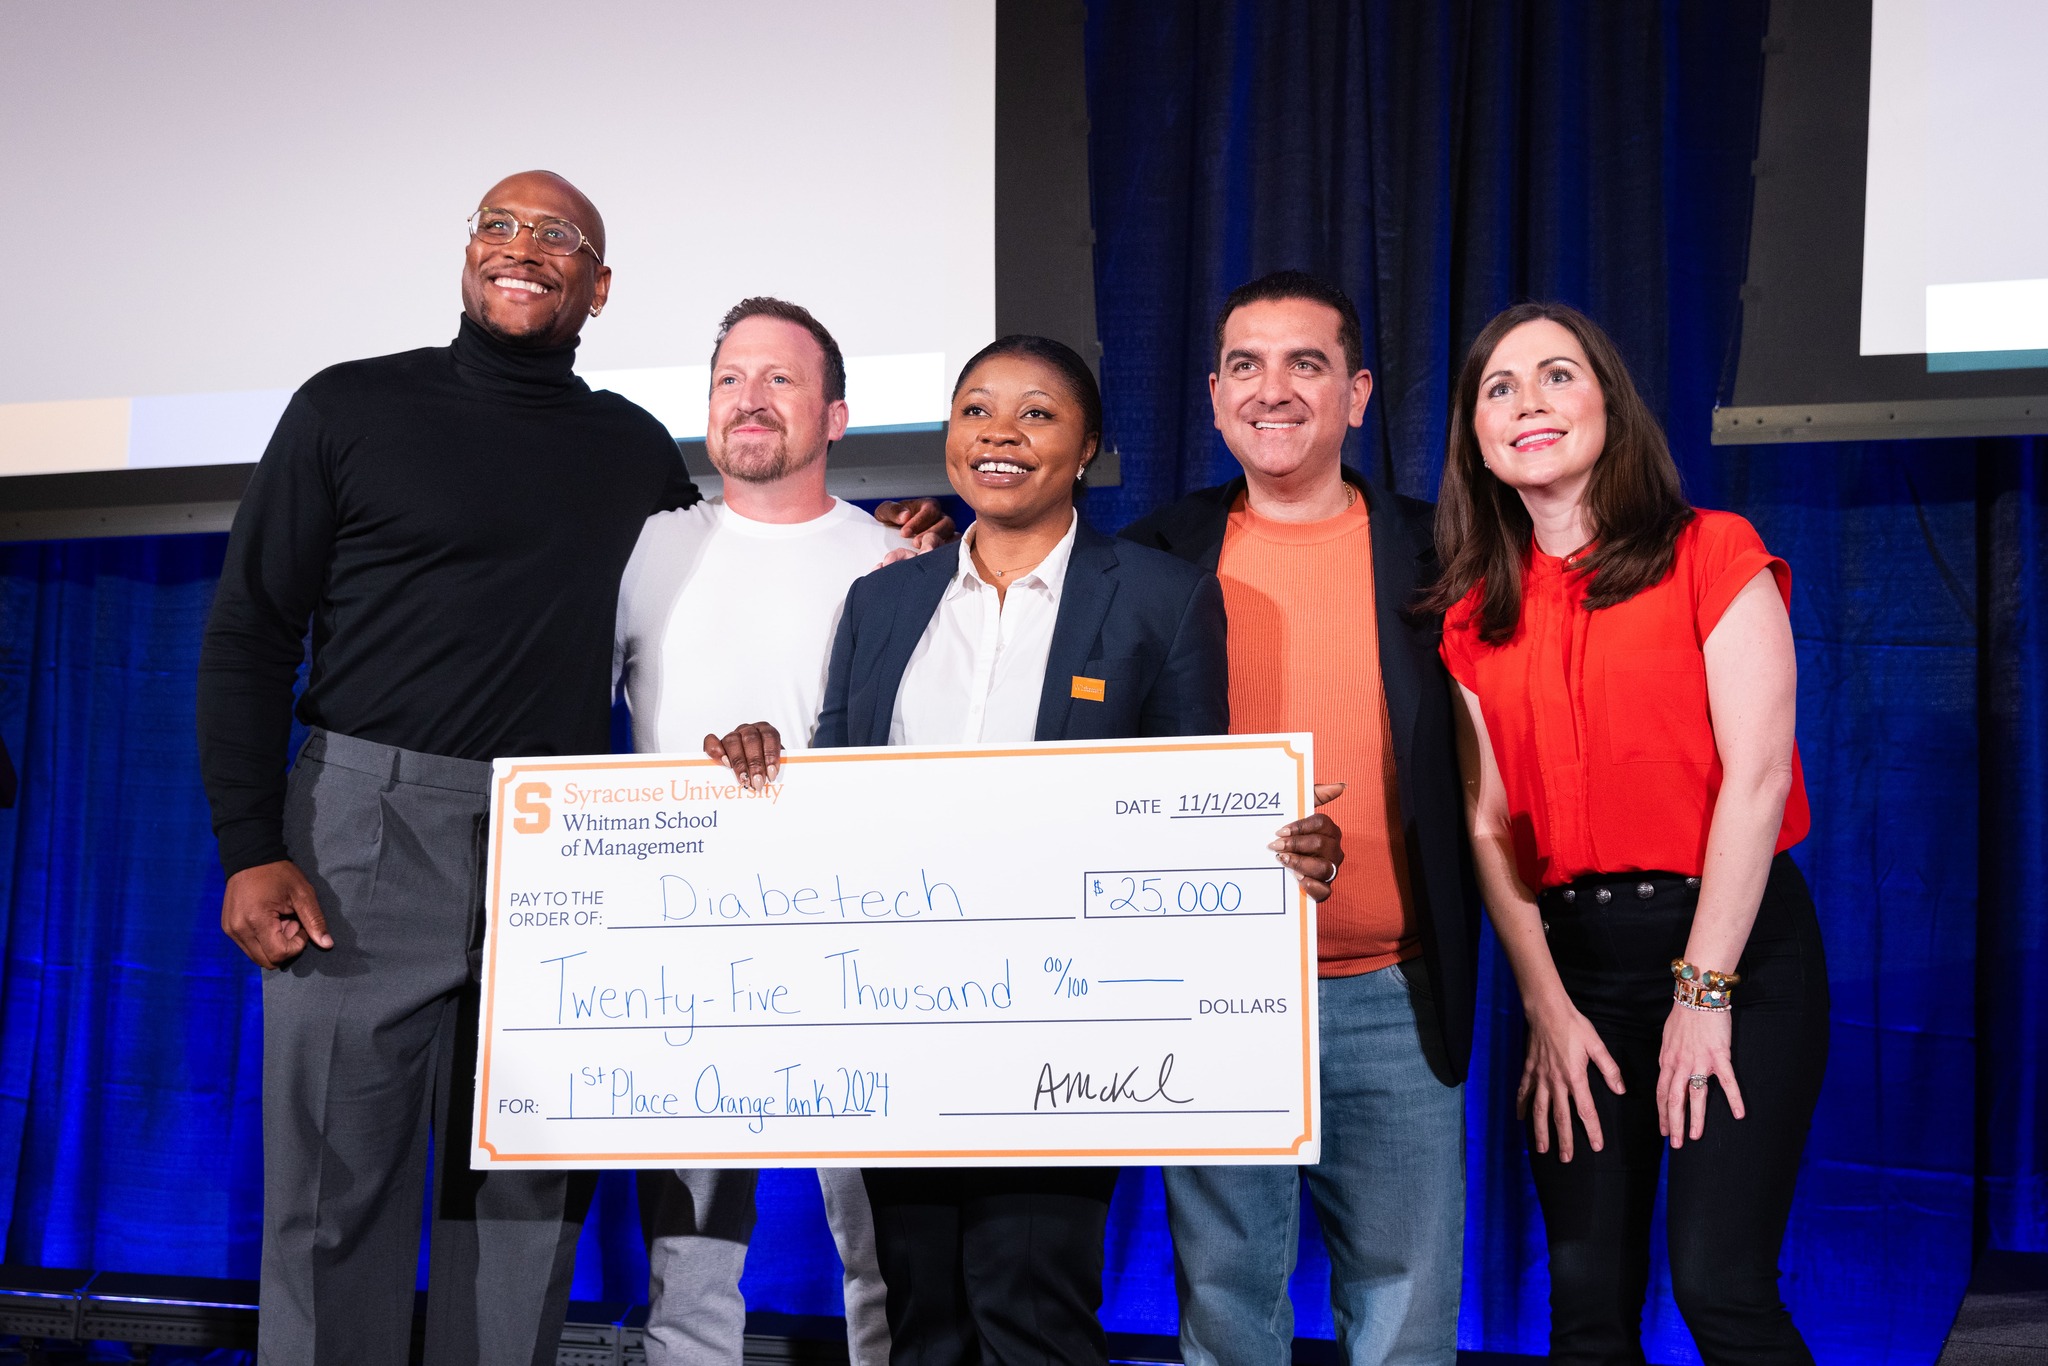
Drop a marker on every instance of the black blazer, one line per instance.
(1147, 625)
(1418, 705)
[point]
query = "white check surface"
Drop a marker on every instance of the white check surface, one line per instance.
(1035, 955)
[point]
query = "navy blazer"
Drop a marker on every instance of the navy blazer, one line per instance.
(1419, 707)
(1149, 626)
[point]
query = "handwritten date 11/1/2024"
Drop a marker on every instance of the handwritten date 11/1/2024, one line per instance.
(1229, 804)
(1198, 805)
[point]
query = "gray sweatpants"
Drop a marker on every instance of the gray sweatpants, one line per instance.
(698, 1222)
(367, 1048)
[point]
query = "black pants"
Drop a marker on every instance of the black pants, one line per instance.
(1730, 1192)
(994, 1266)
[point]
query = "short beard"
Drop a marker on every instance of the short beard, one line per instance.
(777, 464)
(519, 340)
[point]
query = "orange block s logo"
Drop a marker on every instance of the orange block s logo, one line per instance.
(534, 813)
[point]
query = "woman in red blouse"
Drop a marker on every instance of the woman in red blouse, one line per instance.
(1632, 784)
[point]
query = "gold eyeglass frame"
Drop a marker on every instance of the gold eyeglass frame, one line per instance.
(533, 230)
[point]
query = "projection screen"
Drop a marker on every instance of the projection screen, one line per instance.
(229, 195)
(1898, 270)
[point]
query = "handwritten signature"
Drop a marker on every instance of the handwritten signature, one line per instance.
(1077, 1088)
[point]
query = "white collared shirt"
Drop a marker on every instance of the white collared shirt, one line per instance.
(979, 669)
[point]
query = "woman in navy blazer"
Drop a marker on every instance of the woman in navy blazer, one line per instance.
(1147, 626)
(1005, 1264)
(1144, 625)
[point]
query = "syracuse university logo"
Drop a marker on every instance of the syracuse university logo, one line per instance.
(533, 814)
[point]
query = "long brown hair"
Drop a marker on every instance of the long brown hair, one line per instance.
(1634, 504)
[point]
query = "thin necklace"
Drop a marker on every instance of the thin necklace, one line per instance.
(999, 573)
(1004, 573)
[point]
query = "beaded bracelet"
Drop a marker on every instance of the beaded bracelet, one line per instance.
(1702, 988)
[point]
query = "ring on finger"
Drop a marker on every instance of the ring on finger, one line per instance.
(1698, 1080)
(1331, 880)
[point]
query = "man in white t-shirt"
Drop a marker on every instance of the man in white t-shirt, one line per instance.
(764, 568)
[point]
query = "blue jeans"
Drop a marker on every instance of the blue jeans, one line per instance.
(1389, 1192)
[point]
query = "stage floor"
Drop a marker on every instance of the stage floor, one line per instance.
(2003, 1320)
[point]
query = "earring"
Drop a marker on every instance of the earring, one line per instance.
(1081, 475)
(596, 309)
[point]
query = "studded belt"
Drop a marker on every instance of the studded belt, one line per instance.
(1604, 888)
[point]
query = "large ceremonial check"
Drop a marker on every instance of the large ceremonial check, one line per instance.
(1073, 953)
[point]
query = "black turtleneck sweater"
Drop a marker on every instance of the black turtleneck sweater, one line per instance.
(453, 521)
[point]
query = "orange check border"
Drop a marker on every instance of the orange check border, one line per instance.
(1305, 919)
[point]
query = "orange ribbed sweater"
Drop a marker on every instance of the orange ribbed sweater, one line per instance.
(1304, 655)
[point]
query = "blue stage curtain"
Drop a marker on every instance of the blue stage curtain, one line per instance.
(130, 1134)
(1443, 161)
(2012, 930)
(1440, 161)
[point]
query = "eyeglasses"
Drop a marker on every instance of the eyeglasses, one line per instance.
(555, 236)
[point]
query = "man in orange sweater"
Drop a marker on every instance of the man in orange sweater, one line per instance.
(1320, 571)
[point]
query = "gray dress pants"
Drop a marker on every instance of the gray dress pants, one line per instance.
(698, 1222)
(370, 1047)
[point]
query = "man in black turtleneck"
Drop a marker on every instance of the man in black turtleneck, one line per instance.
(453, 522)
